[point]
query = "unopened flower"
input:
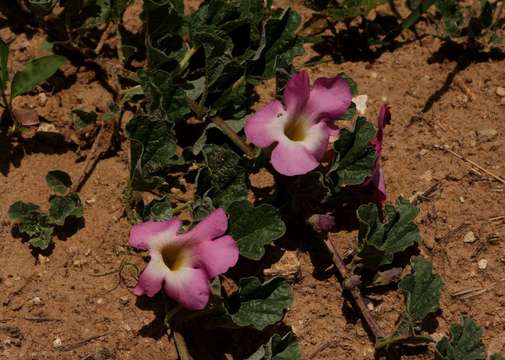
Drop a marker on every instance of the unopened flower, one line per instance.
(300, 127)
(377, 179)
(322, 222)
(183, 264)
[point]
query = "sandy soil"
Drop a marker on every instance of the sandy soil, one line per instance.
(56, 307)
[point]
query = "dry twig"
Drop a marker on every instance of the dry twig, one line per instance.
(351, 285)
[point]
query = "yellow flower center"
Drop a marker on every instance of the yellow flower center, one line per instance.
(295, 130)
(174, 257)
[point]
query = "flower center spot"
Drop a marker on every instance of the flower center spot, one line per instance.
(295, 130)
(173, 257)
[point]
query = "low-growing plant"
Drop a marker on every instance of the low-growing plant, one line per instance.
(38, 226)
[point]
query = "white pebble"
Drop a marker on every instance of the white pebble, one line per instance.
(469, 237)
(482, 264)
(57, 342)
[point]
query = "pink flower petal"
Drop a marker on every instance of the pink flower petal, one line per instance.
(260, 128)
(151, 279)
(379, 184)
(292, 158)
(189, 287)
(142, 234)
(213, 226)
(383, 120)
(296, 93)
(217, 256)
(329, 99)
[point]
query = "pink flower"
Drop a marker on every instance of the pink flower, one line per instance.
(183, 263)
(301, 127)
(377, 179)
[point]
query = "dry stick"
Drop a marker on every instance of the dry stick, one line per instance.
(200, 112)
(180, 344)
(473, 163)
(354, 290)
(104, 36)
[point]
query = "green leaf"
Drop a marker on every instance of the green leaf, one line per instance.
(23, 212)
(280, 45)
(235, 125)
(422, 290)
(259, 305)
(452, 17)
(4, 56)
(350, 9)
(465, 343)
(41, 234)
(82, 119)
(380, 241)
(158, 210)
(354, 156)
(164, 21)
(164, 97)
(152, 150)
(32, 223)
(496, 357)
(226, 175)
(35, 72)
(63, 207)
(254, 227)
(41, 7)
(58, 181)
(278, 348)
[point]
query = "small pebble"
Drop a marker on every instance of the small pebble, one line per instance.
(36, 301)
(123, 300)
(469, 237)
(500, 91)
(485, 135)
(461, 199)
(374, 75)
(57, 342)
(42, 99)
(99, 301)
(423, 152)
(90, 201)
(482, 264)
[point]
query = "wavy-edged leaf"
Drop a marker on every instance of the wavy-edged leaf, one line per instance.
(158, 210)
(254, 227)
(349, 9)
(380, 241)
(354, 156)
(63, 207)
(153, 146)
(464, 343)
(278, 348)
(227, 177)
(58, 181)
(35, 72)
(164, 24)
(32, 223)
(259, 305)
(422, 289)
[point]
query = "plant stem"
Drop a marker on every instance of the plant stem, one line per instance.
(412, 19)
(200, 112)
(184, 63)
(181, 207)
(104, 36)
(354, 290)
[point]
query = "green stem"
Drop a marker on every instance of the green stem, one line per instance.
(184, 63)
(412, 19)
(200, 112)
